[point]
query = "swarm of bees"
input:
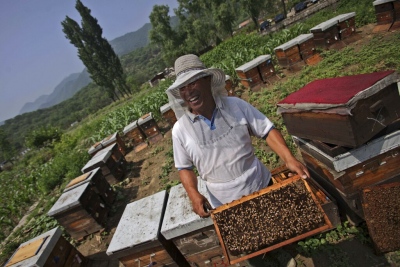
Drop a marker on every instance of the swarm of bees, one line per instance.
(268, 219)
(382, 214)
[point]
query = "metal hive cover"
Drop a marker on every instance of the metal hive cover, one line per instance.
(179, 218)
(140, 223)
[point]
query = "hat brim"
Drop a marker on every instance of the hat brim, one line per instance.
(218, 79)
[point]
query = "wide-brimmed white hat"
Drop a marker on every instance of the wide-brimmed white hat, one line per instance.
(189, 68)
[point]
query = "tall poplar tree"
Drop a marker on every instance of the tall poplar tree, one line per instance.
(96, 53)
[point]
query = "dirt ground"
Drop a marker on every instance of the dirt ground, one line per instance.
(142, 179)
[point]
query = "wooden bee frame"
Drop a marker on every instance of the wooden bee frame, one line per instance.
(275, 244)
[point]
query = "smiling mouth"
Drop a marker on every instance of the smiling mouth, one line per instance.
(193, 99)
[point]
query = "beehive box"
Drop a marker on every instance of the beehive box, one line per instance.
(356, 169)
(249, 73)
(346, 186)
(150, 128)
(112, 168)
(288, 53)
(381, 205)
(80, 211)
(49, 249)
(385, 15)
(326, 33)
(97, 183)
(273, 217)
(346, 111)
(327, 202)
(168, 114)
(134, 136)
(306, 45)
(95, 148)
(347, 25)
(115, 138)
(195, 237)
(137, 239)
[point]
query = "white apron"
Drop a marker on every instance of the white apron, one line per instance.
(227, 162)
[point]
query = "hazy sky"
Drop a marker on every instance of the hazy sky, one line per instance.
(35, 56)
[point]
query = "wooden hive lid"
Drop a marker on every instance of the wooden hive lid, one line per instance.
(179, 218)
(109, 139)
(287, 45)
(304, 37)
(164, 108)
(139, 225)
(78, 180)
(253, 63)
(346, 16)
(130, 127)
(36, 251)
(145, 118)
(101, 156)
(96, 147)
(325, 25)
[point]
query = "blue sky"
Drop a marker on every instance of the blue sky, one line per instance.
(34, 54)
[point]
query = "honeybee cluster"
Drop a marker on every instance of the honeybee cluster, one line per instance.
(269, 219)
(382, 215)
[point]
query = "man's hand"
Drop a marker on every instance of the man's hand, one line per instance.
(296, 166)
(200, 204)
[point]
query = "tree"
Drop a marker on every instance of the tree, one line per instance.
(253, 8)
(96, 53)
(224, 14)
(162, 34)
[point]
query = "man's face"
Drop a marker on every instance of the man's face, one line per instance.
(197, 95)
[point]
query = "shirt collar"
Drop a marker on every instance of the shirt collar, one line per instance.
(218, 105)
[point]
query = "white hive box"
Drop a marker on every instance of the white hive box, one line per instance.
(137, 239)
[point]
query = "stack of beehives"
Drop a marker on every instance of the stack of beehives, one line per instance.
(348, 133)
(387, 15)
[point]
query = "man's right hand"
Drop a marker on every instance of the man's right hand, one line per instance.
(200, 205)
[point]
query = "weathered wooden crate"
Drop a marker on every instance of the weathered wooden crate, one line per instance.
(49, 249)
(80, 211)
(111, 167)
(346, 186)
(168, 114)
(273, 217)
(381, 205)
(346, 111)
(288, 53)
(385, 14)
(306, 45)
(97, 183)
(327, 202)
(195, 237)
(109, 140)
(250, 74)
(115, 138)
(137, 240)
(150, 128)
(135, 137)
(347, 25)
(352, 171)
(326, 33)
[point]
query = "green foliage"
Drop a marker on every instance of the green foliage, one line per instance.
(43, 137)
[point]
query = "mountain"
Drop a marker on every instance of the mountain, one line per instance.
(66, 89)
(75, 82)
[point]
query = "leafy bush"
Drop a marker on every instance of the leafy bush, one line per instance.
(42, 137)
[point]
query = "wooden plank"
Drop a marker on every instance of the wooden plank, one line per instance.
(77, 180)
(27, 251)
